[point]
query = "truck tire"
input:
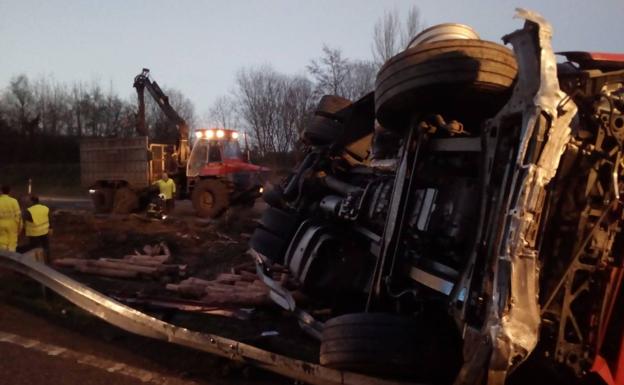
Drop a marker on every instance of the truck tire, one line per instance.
(322, 130)
(373, 343)
(329, 105)
(279, 222)
(126, 201)
(102, 200)
(210, 198)
(268, 244)
(468, 75)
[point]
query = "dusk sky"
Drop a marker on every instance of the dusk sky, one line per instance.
(198, 46)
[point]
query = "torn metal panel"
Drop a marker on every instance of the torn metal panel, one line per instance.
(513, 317)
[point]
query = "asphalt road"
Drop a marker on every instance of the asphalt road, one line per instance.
(42, 343)
(36, 350)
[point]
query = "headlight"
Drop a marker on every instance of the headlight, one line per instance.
(220, 134)
(199, 134)
(261, 190)
(209, 134)
(235, 135)
(91, 191)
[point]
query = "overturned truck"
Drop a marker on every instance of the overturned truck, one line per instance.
(479, 240)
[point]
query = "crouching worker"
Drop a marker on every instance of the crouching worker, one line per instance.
(167, 188)
(10, 220)
(37, 225)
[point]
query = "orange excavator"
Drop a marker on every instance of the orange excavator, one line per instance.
(211, 170)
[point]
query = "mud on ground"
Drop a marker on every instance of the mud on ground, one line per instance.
(208, 247)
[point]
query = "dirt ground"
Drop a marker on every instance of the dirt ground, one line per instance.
(207, 247)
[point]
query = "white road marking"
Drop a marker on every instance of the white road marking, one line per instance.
(145, 376)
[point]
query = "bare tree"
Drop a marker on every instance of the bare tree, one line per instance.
(330, 71)
(259, 95)
(22, 103)
(223, 113)
(390, 35)
(297, 105)
(361, 79)
(336, 75)
(273, 106)
(385, 37)
(413, 25)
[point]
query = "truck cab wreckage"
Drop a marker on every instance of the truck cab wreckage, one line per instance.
(481, 237)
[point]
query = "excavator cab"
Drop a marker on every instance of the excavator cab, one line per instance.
(219, 174)
(213, 148)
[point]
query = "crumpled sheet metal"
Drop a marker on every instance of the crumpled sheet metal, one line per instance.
(512, 328)
(517, 330)
(140, 323)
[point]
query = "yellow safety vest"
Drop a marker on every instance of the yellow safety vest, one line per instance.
(40, 221)
(167, 188)
(10, 222)
(9, 208)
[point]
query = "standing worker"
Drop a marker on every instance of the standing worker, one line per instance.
(167, 188)
(37, 225)
(10, 220)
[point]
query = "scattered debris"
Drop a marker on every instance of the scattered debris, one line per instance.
(240, 287)
(151, 265)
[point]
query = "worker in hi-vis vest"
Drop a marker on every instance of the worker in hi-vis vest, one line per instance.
(167, 189)
(37, 226)
(10, 220)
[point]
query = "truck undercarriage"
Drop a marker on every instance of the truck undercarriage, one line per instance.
(494, 214)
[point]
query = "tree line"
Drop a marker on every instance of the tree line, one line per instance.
(42, 119)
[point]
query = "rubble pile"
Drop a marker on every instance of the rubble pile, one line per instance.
(240, 287)
(152, 263)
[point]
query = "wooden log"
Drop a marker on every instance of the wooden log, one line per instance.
(123, 266)
(186, 289)
(246, 266)
(153, 258)
(247, 276)
(172, 286)
(143, 262)
(165, 250)
(114, 273)
(149, 250)
(68, 262)
(217, 287)
(136, 262)
(237, 299)
(228, 277)
(277, 268)
(227, 238)
(197, 281)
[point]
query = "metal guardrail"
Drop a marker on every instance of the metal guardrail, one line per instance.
(136, 322)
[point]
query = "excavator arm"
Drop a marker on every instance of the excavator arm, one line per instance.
(141, 82)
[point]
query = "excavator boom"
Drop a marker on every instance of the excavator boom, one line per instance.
(141, 82)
